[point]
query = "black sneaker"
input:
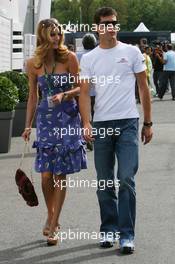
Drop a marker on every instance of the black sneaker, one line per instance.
(127, 246)
(106, 244)
(107, 241)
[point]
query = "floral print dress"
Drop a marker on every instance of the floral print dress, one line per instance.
(60, 145)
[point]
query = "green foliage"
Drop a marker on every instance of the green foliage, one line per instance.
(156, 14)
(165, 16)
(65, 11)
(8, 95)
(21, 81)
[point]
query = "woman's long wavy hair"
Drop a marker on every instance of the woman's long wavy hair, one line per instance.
(43, 44)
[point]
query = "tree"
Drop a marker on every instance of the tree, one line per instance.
(156, 14)
(165, 16)
(134, 15)
(65, 11)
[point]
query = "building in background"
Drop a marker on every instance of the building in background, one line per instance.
(18, 18)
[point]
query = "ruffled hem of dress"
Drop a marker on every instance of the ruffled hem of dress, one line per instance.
(60, 159)
(63, 149)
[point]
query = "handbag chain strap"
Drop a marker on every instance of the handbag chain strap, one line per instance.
(26, 150)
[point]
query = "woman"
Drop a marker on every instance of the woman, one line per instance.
(58, 152)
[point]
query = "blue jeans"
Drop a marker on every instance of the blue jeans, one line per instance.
(117, 211)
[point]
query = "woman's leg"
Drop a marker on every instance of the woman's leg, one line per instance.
(58, 200)
(48, 191)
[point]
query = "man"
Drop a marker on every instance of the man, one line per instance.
(157, 59)
(168, 72)
(148, 63)
(115, 110)
(89, 42)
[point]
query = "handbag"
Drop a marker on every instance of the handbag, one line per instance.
(25, 185)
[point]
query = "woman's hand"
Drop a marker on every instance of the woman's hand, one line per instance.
(57, 98)
(26, 134)
(87, 132)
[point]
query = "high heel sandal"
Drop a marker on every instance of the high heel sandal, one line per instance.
(52, 238)
(46, 230)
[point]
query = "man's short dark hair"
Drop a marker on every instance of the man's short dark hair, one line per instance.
(89, 41)
(103, 12)
(169, 47)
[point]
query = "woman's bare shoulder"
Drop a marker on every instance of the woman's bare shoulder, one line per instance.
(72, 60)
(72, 56)
(30, 66)
(30, 63)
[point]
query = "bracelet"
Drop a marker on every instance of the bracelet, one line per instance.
(65, 96)
(28, 129)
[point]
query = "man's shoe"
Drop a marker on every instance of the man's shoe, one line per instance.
(173, 98)
(127, 246)
(107, 241)
(106, 244)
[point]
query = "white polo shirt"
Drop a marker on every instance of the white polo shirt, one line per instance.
(113, 73)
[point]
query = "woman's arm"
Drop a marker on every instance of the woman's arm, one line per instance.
(33, 93)
(73, 69)
(32, 98)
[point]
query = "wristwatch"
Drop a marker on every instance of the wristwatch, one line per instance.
(148, 124)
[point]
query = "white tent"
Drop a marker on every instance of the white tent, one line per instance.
(173, 38)
(141, 28)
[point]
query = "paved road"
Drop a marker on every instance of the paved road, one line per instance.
(21, 241)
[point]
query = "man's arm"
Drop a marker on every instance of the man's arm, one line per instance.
(145, 97)
(84, 106)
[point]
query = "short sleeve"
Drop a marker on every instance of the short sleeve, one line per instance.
(165, 56)
(139, 62)
(85, 72)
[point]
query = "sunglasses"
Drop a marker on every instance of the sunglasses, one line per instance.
(53, 34)
(106, 23)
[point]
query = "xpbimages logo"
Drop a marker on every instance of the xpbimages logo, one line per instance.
(86, 235)
(102, 132)
(103, 27)
(101, 80)
(81, 183)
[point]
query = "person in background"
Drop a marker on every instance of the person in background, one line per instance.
(89, 42)
(168, 72)
(149, 69)
(157, 60)
(71, 47)
(148, 63)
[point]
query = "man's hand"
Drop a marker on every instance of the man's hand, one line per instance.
(87, 132)
(146, 134)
